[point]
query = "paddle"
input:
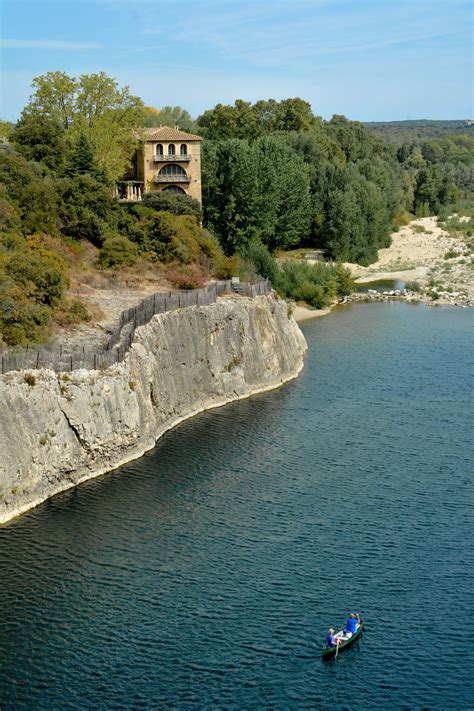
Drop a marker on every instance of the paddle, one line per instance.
(337, 647)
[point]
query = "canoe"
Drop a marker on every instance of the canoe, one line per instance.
(328, 652)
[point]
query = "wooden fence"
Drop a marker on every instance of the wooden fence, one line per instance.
(59, 359)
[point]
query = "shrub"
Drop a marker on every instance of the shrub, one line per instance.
(29, 379)
(186, 276)
(262, 261)
(71, 311)
(413, 286)
(451, 254)
(117, 252)
(312, 294)
(179, 238)
(176, 204)
(227, 267)
(41, 273)
(297, 279)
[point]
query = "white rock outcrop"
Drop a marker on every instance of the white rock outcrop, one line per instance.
(59, 429)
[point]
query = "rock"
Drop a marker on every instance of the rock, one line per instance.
(66, 428)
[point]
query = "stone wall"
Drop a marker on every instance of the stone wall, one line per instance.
(57, 430)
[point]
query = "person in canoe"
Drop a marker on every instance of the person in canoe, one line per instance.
(352, 624)
(331, 639)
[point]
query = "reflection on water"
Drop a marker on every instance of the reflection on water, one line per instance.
(205, 574)
(381, 285)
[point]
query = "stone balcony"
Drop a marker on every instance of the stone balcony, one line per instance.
(178, 158)
(178, 178)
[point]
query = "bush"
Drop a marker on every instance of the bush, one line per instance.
(298, 280)
(179, 238)
(176, 204)
(452, 254)
(262, 261)
(227, 267)
(311, 294)
(117, 252)
(413, 286)
(70, 312)
(41, 273)
(186, 276)
(22, 320)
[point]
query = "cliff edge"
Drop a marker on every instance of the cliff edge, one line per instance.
(59, 429)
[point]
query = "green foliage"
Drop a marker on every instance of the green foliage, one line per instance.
(92, 105)
(42, 275)
(247, 121)
(179, 238)
(117, 252)
(168, 116)
(22, 319)
(398, 132)
(170, 202)
(261, 260)
(87, 210)
(413, 286)
(315, 284)
(41, 138)
(31, 192)
(255, 191)
(82, 161)
(70, 312)
(452, 254)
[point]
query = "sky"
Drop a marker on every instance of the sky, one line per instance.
(371, 60)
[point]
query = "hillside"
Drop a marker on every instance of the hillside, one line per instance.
(419, 129)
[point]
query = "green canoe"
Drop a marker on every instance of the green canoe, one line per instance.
(328, 652)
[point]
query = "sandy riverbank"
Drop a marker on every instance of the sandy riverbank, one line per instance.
(440, 265)
(425, 253)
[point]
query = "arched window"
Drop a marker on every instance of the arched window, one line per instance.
(173, 173)
(174, 189)
(171, 149)
(183, 149)
(159, 149)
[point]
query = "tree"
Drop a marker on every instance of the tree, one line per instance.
(244, 120)
(41, 138)
(81, 161)
(32, 191)
(54, 97)
(257, 191)
(95, 106)
(169, 116)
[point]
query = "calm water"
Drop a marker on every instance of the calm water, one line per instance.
(204, 575)
(381, 285)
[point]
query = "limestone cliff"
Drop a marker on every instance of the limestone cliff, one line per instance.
(58, 429)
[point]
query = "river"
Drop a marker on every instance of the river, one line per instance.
(205, 575)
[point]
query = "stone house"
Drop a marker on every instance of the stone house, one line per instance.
(167, 159)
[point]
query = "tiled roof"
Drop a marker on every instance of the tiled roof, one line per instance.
(165, 133)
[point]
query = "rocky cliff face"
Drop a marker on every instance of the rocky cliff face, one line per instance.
(57, 430)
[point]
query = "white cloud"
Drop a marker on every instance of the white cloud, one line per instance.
(47, 44)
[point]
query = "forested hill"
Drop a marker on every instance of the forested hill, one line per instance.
(275, 176)
(420, 129)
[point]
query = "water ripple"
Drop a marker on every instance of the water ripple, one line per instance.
(204, 575)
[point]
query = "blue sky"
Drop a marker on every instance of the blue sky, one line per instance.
(367, 59)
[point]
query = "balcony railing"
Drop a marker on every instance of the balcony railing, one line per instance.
(176, 158)
(178, 178)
